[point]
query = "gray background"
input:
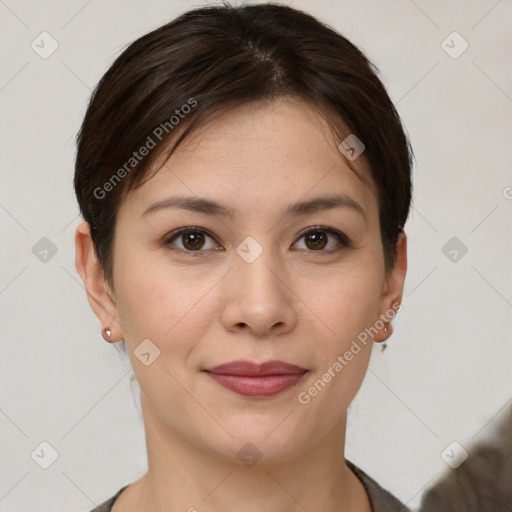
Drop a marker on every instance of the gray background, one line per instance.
(445, 375)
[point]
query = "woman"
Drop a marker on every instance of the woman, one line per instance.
(244, 181)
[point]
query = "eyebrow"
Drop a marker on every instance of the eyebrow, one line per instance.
(209, 207)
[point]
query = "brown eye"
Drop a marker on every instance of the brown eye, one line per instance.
(324, 240)
(191, 240)
(316, 240)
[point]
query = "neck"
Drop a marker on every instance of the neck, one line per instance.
(190, 479)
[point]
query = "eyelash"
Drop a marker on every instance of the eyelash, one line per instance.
(342, 238)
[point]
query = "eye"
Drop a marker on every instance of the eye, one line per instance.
(191, 240)
(324, 239)
(316, 239)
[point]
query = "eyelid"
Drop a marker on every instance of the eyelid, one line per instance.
(342, 238)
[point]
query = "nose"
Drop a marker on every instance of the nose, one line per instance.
(259, 298)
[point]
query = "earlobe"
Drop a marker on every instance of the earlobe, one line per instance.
(98, 291)
(393, 290)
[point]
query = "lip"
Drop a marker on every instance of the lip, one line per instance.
(257, 380)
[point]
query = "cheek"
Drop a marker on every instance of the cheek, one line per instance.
(174, 313)
(347, 303)
(164, 303)
(346, 307)
(343, 348)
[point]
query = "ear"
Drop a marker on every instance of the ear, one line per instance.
(99, 295)
(393, 287)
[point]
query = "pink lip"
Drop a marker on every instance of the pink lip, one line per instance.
(257, 380)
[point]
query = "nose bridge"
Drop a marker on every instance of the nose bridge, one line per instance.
(258, 297)
(256, 269)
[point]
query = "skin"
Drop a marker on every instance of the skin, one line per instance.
(293, 303)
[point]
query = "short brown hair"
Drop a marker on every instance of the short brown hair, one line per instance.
(214, 58)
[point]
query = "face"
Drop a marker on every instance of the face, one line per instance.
(263, 271)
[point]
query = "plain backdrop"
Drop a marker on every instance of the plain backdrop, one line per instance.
(446, 373)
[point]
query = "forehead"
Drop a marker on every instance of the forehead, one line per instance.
(259, 155)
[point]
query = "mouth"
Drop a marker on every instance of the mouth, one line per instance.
(257, 380)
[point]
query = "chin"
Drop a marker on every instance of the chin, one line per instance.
(253, 443)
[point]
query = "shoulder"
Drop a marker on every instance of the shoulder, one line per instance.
(380, 499)
(107, 505)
